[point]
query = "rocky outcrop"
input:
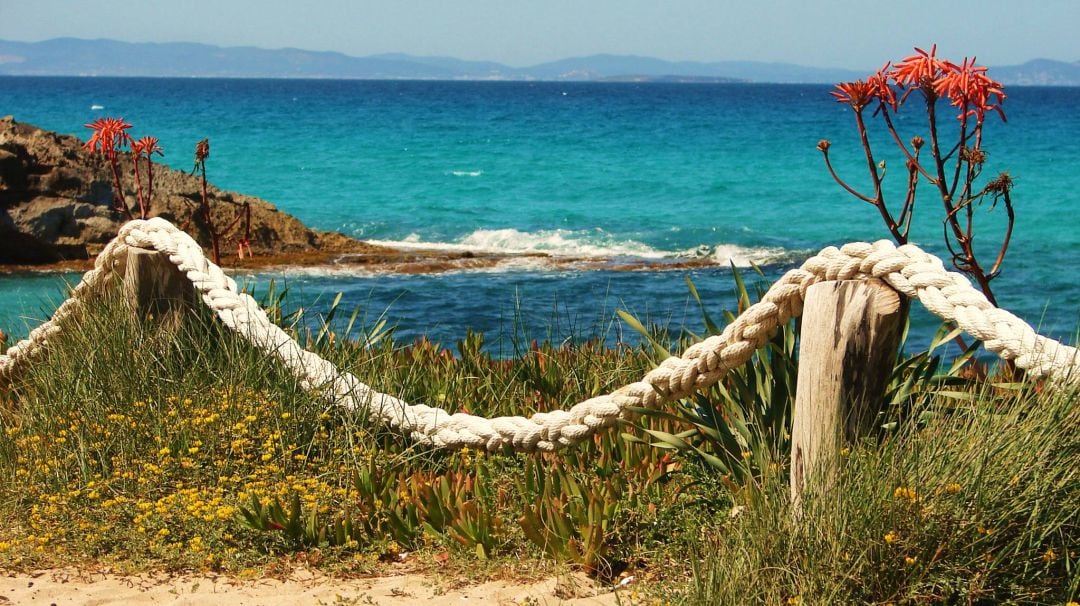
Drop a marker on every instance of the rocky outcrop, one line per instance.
(55, 205)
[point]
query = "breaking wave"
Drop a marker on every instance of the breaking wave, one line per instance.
(594, 244)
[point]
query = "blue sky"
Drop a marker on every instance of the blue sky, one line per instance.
(857, 34)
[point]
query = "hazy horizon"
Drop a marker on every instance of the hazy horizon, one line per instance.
(840, 34)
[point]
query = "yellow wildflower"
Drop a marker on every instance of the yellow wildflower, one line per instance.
(906, 493)
(910, 561)
(890, 537)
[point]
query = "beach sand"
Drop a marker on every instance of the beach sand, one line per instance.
(70, 586)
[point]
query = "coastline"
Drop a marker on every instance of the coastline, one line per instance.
(380, 259)
(59, 216)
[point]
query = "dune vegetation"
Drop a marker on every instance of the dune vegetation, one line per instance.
(141, 444)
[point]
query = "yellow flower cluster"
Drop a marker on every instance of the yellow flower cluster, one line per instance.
(163, 479)
(906, 494)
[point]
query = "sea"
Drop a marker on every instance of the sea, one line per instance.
(632, 177)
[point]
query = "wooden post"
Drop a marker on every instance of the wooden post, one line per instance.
(850, 335)
(154, 287)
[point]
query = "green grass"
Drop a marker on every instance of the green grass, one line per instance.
(150, 445)
(975, 506)
(140, 444)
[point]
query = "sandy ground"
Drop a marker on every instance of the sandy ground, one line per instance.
(68, 586)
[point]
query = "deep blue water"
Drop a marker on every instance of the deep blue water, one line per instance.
(637, 171)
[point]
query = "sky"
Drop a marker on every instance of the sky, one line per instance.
(856, 34)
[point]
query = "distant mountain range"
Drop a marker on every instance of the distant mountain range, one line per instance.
(78, 57)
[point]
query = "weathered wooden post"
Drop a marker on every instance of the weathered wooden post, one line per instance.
(154, 287)
(850, 335)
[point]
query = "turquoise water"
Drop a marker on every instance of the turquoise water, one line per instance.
(644, 172)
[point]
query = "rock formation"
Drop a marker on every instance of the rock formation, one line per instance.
(55, 205)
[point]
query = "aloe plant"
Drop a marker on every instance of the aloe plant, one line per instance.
(740, 426)
(460, 506)
(570, 519)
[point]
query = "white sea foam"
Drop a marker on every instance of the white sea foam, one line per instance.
(558, 250)
(739, 256)
(593, 245)
(466, 173)
(97, 107)
(557, 243)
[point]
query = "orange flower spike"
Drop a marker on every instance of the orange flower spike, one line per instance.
(857, 94)
(860, 93)
(956, 80)
(115, 130)
(919, 69)
(96, 140)
(969, 88)
(879, 82)
(147, 146)
(109, 134)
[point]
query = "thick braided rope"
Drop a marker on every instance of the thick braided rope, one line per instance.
(908, 269)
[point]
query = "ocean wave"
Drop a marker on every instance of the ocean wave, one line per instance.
(595, 244)
(466, 173)
(556, 242)
(739, 256)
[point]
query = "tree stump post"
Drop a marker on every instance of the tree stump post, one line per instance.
(154, 287)
(850, 336)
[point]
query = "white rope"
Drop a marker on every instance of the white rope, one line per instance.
(908, 269)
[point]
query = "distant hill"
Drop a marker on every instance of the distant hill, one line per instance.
(1040, 72)
(460, 68)
(78, 57)
(596, 67)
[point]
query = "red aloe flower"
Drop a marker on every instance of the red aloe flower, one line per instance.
(968, 88)
(857, 94)
(147, 146)
(109, 134)
(879, 81)
(920, 69)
